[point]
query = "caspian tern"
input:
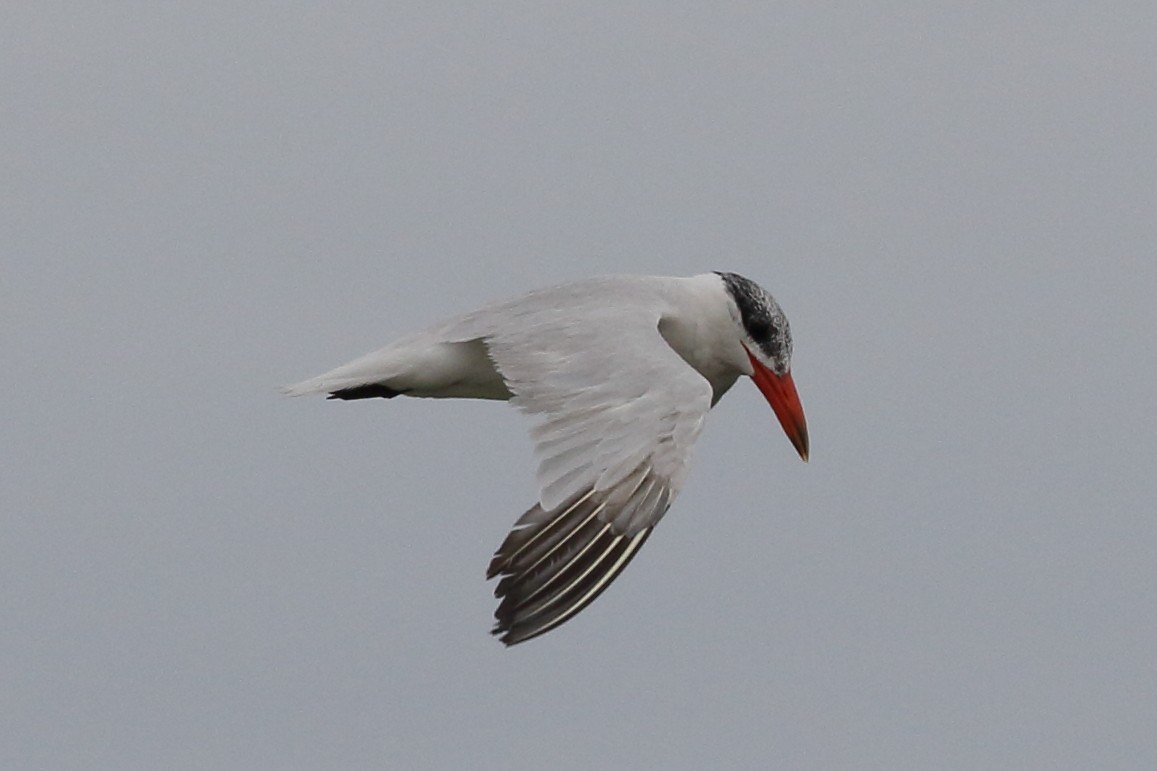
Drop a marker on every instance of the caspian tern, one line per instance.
(621, 371)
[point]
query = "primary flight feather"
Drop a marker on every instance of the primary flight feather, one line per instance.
(620, 372)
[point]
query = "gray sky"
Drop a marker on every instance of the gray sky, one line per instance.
(955, 204)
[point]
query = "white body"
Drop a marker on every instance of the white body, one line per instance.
(630, 364)
(449, 359)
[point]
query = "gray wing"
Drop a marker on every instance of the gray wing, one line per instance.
(619, 411)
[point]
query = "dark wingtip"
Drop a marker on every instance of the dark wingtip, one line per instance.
(521, 616)
(369, 391)
(503, 635)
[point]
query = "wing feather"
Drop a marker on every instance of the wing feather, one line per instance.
(560, 574)
(618, 412)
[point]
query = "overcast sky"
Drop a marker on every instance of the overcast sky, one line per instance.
(956, 205)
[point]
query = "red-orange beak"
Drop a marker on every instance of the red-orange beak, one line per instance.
(779, 390)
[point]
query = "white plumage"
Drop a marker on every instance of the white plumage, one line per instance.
(620, 372)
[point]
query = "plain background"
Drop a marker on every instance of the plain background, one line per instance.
(956, 204)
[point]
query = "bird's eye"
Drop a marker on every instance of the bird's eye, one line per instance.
(759, 330)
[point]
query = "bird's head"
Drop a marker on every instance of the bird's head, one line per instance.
(766, 339)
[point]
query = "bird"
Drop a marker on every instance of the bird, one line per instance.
(618, 373)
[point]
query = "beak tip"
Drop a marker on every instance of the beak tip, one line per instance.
(779, 390)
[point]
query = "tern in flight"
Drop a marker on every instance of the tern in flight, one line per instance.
(620, 372)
